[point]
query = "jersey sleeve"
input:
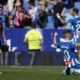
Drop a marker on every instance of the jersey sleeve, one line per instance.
(26, 35)
(70, 21)
(73, 45)
(41, 37)
(58, 45)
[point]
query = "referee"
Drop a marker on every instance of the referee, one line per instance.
(2, 33)
(34, 40)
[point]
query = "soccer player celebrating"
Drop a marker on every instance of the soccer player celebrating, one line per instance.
(2, 32)
(67, 48)
(76, 25)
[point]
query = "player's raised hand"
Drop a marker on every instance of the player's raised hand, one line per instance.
(55, 34)
(64, 9)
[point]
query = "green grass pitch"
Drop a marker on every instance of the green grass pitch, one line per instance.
(34, 73)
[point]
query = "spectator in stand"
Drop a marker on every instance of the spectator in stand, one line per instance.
(10, 22)
(58, 8)
(10, 5)
(18, 2)
(33, 11)
(20, 16)
(18, 12)
(43, 13)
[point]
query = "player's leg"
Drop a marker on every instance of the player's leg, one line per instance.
(72, 71)
(76, 68)
(0, 48)
(0, 51)
(78, 49)
(78, 55)
(68, 69)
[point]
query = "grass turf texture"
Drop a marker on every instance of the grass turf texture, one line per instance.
(34, 73)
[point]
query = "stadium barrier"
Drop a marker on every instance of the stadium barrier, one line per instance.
(15, 38)
(24, 58)
(18, 54)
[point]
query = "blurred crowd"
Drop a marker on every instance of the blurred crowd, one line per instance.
(21, 13)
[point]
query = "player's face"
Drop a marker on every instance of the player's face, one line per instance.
(70, 36)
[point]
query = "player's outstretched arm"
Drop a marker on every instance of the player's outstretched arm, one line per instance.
(54, 41)
(62, 21)
(63, 12)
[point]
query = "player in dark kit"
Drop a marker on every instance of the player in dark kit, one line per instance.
(2, 33)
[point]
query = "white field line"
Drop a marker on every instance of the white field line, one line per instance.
(20, 66)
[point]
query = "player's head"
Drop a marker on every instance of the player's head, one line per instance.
(74, 11)
(67, 34)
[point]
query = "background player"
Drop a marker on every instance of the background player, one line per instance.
(76, 25)
(67, 48)
(2, 33)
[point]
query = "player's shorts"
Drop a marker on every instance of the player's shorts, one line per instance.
(70, 63)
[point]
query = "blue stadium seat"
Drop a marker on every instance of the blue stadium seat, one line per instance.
(50, 5)
(50, 18)
(67, 11)
(50, 25)
(77, 5)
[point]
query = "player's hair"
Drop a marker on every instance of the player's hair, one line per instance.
(66, 32)
(76, 10)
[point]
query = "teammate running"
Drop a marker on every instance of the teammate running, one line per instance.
(76, 25)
